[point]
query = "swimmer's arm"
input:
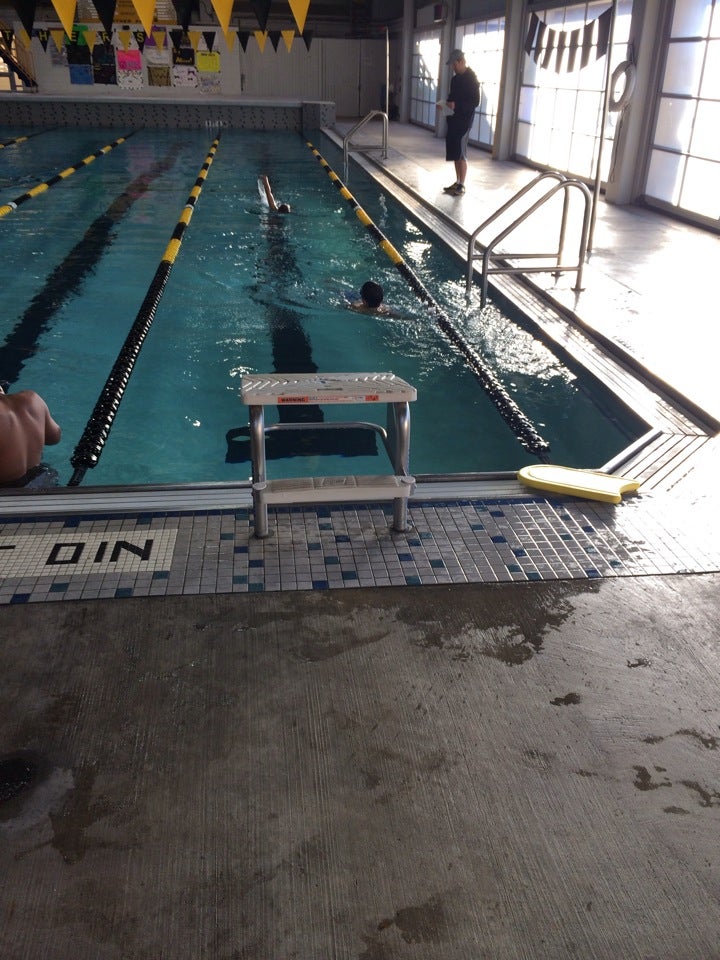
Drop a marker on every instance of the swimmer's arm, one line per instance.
(268, 193)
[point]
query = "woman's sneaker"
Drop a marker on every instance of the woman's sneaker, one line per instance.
(456, 190)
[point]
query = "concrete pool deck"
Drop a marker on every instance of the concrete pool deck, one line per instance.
(508, 748)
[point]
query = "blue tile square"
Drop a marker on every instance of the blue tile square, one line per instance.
(437, 564)
(161, 575)
(320, 585)
(256, 588)
(332, 561)
(498, 539)
(123, 592)
(20, 598)
(413, 581)
(256, 563)
(58, 587)
(514, 568)
(240, 578)
(405, 557)
(240, 549)
(349, 575)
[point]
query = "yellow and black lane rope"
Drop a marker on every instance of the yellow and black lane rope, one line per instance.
(521, 425)
(63, 175)
(91, 444)
(9, 143)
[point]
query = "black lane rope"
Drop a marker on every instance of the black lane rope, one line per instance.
(27, 136)
(521, 425)
(63, 175)
(90, 446)
(68, 276)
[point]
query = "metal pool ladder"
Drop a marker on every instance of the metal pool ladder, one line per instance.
(347, 139)
(489, 254)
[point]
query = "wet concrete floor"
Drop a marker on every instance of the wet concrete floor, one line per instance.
(481, 771)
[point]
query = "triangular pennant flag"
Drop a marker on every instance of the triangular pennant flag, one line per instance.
(90, 37)
(542, 30)
(25, 9)
(230, 40)
(183, 9)
(261, 37)
(587, 43)
(288, 36)
(243, 37)
(176, 37)
(7, 36)
(125, 36)
(25, 38)
(59, 39)
(140, 38)
(209, 37)
(549, 47)
(604, 23)
(106, 12)
(307, 37)
(562, 43)
(159, 38)
(65, 10)
(573, 49)
(299, 11)
(274, 38)
(223, 11)
(145, 10)
(195, 37)
(532, 30)
(43, 36)
(261, 9)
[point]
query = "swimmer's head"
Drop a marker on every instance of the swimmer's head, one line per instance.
(372, 293)
(283, 208)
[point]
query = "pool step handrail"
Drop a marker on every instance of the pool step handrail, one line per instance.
(488, 251)
(20, 59)
(347, 139)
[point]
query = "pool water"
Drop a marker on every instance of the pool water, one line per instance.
(250, 292)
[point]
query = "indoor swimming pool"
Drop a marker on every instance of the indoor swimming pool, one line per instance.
(251, 292)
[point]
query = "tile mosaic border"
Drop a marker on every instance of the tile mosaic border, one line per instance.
(346, 546)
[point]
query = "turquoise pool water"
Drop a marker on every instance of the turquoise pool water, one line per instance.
(252, 293)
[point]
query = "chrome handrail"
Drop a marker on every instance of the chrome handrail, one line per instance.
(564, 184)
(347, 139)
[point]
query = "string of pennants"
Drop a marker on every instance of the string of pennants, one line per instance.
(544, 43)
(145, 10)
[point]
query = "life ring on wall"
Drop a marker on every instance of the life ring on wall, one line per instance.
(623, 71)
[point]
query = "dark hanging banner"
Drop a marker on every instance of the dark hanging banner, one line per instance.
(243, 37)
(307, 38)
(544, 43)
(532, 32)
(261, 9)
(209, 37)
(25, 9)
(274, 38)
(604, 22)
(176, 37)
(184, 10)
(106, 12)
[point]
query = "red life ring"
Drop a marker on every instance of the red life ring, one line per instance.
(626, 71)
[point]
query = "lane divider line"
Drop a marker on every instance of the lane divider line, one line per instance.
(63, 175)
(520, 424)
(90, 446)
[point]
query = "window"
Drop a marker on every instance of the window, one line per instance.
(563, 86)
(424, 78)
(684, 168)
(482, 43)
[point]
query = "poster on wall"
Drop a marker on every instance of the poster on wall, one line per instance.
(208, 67)
(129, 69)
(78, 57)
(157, 58)
(103, 61)
(184, 71)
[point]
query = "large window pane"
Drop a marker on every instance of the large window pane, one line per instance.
(563, 86)
(482, 43)
(424, 79)
(684, 68)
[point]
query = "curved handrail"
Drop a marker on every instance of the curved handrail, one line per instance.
(347, 139)
(564, 184)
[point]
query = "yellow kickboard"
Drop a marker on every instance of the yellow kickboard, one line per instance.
(590, 484)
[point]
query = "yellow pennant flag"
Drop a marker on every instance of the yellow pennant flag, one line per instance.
(145, 10)
(261, 37)
(299, 11)
(223, 11)
(195, 37)
(230, 39)
(59, 38)
(159, 38)
(90, 37)
(24, 38)
(288, 36)
(125, 36)
(65, 10)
